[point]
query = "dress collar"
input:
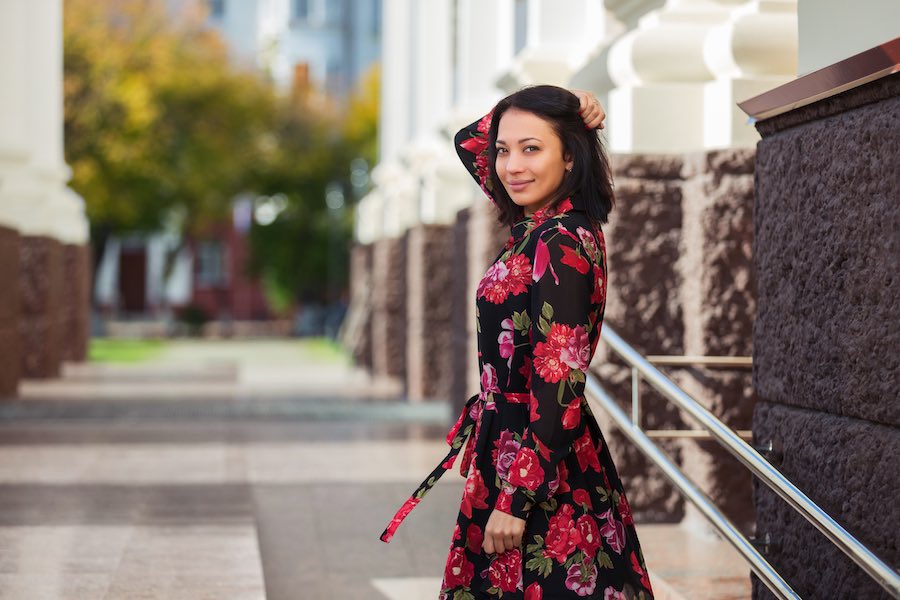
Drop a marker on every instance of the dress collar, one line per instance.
(524, 226)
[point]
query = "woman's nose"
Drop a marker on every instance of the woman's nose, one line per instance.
(513, 164)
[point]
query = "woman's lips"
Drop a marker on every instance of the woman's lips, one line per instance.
(518, 186)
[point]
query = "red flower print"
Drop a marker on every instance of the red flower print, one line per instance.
(572, 416)
(613, 532)
(572, 258)
(562, 536)
(637, 568)
(561, 482)
(581, 578)
(589, 242)
(504, 500)
(519, 273)
(599, 293)
(559, 335)
(459, 571)
(542, 261)
(525, 371)
(533, 407)
(475, 495)
(625, 510)
(534, 592)
(505, 277)
(586, 453)
(540, 446)
(505, 449)
(457, 533)
(488, 382)
(547, 363)
(582, 498)
(576, 352)
(612, 593)
(505, 571)
(526, 470)
(475, 144)
(590, 535)
(474, 538)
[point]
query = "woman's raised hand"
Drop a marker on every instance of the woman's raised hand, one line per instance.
(590, 110)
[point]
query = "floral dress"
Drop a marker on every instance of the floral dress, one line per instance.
(532, 446)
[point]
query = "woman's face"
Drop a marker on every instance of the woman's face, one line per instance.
(530, 160)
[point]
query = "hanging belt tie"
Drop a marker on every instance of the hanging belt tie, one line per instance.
(455, 437)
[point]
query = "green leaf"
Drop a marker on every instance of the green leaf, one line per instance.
(463, 595)
(547, 311)
(604, 493)
(543, 326)
(604, 560)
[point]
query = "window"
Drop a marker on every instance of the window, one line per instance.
(211, 263)
(520, 36)
(216, 9)
(301, 10)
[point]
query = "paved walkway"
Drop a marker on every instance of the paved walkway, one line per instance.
(246, 470)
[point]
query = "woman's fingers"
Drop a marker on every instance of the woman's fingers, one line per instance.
(502, 532)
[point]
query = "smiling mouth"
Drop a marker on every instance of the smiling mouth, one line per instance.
(518, 186)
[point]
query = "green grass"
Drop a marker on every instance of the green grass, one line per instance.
(123, 351)
(324, 349)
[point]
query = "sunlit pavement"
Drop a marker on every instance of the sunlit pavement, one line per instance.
(245, 470)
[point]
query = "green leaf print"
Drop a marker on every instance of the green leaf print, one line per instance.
(463, 595)
(576, 376)
(547, 311)
(604, 493)
(536, 547)
(543, 326)
(604, 560)
(521, 321)
(540, 564)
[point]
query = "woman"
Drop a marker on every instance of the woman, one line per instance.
(543, 514)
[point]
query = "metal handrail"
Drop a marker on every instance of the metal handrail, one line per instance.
(882, 573)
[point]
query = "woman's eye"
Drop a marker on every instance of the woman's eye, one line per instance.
(501, 150)
(531, 148)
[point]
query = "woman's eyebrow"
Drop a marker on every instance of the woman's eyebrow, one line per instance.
(523, 140)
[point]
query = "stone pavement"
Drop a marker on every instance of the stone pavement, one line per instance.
(246, 470)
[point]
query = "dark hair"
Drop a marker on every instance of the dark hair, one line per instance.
(591, 176)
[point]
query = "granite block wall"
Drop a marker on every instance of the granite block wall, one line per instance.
(42, 322)
(643, 306)
(389, 307)
(827, 340)
(718, 303)
(10, 311)
(460, 339)
(430, 257)
(76, 305)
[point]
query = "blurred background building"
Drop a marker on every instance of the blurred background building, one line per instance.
(688, 277)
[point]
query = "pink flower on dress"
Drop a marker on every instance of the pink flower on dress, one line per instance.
(576, 352)
(613, 532)
(534, 592)
(572, 416)
(542, 261)
(488, 382)
(505, 277)
(590, 535)
(562, 536)
(581, 578)
(505, 453)
(506, 341)
(611, 593)
(589, 242)
(547, 363)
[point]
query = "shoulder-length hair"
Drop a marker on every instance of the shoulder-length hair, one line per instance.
(591, 176)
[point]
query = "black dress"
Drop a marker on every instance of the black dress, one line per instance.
(534, 450)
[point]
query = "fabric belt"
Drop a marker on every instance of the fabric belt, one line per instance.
(469, 417)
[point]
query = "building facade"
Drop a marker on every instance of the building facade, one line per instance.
(684, 264)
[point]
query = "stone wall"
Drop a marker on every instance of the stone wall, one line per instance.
(642, 242)
(827, 340)
(76, 305)
(10, 311)
(389, 307)
(42, 323)
(430, 257)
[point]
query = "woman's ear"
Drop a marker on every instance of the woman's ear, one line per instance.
(569, 162)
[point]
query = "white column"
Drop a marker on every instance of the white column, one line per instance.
(560, 34)
(14, 148)
(395, 117)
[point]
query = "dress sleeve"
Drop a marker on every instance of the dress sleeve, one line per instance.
(471, 144)
(563, 312)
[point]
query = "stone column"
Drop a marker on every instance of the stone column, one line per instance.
(718, 303)
(10, 311)
(826, 341)
(430, 257)
(643, 243)
(389, 307)
(356, 333)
